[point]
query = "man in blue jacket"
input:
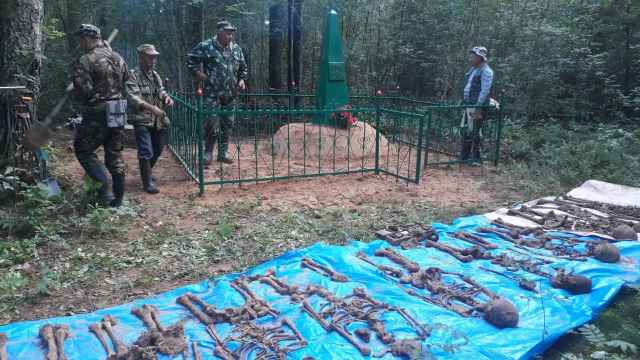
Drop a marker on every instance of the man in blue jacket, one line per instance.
(478, 83)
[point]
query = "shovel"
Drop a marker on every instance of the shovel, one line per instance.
(46, 182)
(41, 132)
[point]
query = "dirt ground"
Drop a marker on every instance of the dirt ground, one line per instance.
(177, 237)
(453, 186)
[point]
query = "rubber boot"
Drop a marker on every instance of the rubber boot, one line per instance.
(118, 190)
(222, 151)
(476, 155)
(152, 163)
(145, 174)
(152, 179)
(466, 148)
(98, 173)
(208, 151)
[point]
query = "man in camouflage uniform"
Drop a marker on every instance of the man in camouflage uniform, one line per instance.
(219, 63)
(98, 83)
(147, 97)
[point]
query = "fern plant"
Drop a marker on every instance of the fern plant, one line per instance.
(604, 348)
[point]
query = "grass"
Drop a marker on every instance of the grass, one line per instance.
(116, 252)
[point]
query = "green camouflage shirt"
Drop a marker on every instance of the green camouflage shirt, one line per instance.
(223, 67)
(145, 87)
(98, 75)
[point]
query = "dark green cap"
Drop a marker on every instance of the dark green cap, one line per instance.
(88, 30)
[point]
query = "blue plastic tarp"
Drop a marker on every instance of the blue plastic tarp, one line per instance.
(544, 316)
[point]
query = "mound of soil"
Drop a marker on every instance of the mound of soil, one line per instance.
(310, 141)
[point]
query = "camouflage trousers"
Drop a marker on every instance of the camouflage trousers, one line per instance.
(217, 128)
(93, 133)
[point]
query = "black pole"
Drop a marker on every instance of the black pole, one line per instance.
(276, 40)
(294, 50)
(297, 44)
(290, 77)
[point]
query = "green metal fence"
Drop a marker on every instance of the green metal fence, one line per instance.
(277, 137)
(444, 137)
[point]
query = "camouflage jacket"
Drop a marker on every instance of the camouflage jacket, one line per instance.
(98, 76)
(145, 87)
(223, 67)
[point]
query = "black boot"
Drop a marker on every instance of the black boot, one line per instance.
(98, 173)
(118, 190)
(145, 175)
(152, 163)
(208, 151)
(466, 149)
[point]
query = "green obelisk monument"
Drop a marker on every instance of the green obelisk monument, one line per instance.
(331, 88)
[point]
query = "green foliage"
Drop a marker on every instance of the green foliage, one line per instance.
(560, 156)
(592, 334)
(48, 281)
(10, 282)
(51, 29)
(101, 220)
(613, 335)
(604, 349)
(16, 252)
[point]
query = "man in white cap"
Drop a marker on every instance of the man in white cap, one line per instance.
(147, 99)
(478, 84)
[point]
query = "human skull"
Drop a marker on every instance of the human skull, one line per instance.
(605, 252)
(624, 232)
(501, 313)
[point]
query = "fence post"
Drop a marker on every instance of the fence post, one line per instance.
(419, 149)
(200, 135)
(377, 171)
(496, 157)
(427, 139)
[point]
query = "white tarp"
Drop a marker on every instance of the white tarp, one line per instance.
(608, 193)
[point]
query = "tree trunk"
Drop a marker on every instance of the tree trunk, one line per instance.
(21, 45)
(20, 62)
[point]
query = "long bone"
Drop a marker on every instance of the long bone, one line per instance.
(449, 250)
(61, 334)
(96, 329)
(107, 324)
(3, 347)
(221, 350)
(398, 259)
(47, 335)
(169, 341)
(323, 270)
(475, 240)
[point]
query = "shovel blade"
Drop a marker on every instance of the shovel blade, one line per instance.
(51, 186)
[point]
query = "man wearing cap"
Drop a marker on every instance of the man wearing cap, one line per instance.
(98, 87)
(478, 83)
(219, 64)
(147, 98)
